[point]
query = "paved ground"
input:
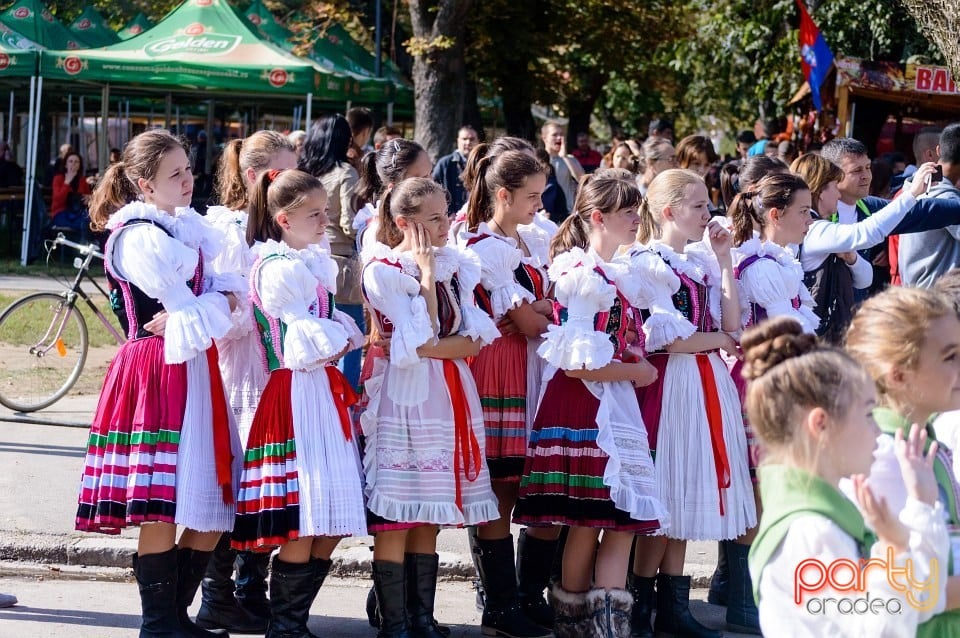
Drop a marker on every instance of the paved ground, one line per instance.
(52, 608)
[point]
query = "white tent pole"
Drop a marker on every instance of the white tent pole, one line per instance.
(82, 122)
(309, 110)
(31, 167)
(28, 194)
(103, 148)
(10, 121)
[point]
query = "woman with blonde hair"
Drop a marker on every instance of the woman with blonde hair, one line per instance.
(658, 156)
(692, 412)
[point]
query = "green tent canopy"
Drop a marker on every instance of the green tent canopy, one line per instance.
(34, 21)
(202, 45)
(338, 37)
(18, 55)
(135, 27)
(366, 88)
(93, 29)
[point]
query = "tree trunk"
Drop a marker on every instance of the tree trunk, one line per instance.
(579, 106)
(471, 109)
(438, 71)
(939, 21)
(518, 118)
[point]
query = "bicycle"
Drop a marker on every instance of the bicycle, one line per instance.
(39, 369)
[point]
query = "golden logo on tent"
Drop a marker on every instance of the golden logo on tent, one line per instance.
(4, 61)
(72, 65)
(196, 40)
(22, 13)
(254, 19)
(84, 24)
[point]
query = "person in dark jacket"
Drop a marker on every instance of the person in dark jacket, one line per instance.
(448, 168)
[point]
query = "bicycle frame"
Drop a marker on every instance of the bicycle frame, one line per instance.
(88, 254)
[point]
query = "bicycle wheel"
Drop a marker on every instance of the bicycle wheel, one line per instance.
(43, 344)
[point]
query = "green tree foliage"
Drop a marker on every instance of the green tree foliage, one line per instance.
(739, 59)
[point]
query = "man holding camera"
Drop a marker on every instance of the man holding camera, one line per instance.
(925, 257)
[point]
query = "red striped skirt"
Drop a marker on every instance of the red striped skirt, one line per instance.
(268, 508)
(129, 475)
(500, 371)
(562, 479)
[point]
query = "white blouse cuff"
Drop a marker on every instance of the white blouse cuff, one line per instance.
(507, 297)
(416, 331)
(478, 325)
(310, 342)
(191, 329)
(576, 345)
(227, 282)
(353, 332)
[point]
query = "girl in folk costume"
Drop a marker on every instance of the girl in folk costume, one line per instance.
(395, 161)
(471, 170)
(302, 485)
(811, 406)
(424, 425)
(389, 165)
(588, 464)
(513, 256)
(163, 442)
(767, 221)
(244, 161)
(244, 376)
(908, 340)
(693, 412)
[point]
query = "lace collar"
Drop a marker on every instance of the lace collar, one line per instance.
(447, 260)
(185, 224)
(783, 255)
(224, 215)
(316, 259)
(688, 264)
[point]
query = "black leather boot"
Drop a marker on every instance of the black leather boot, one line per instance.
(534, 562)
(610, 611)
(421, 571)
(321, 569)
(220, 608)
(673, 609)
(643, 601)
(390, 582)
(252, 582)
(720, 579)
(191, 566)
(373, 608)
(157, 580)
(503, 615)
(742, 614)
(481, 598)
(291, 594)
